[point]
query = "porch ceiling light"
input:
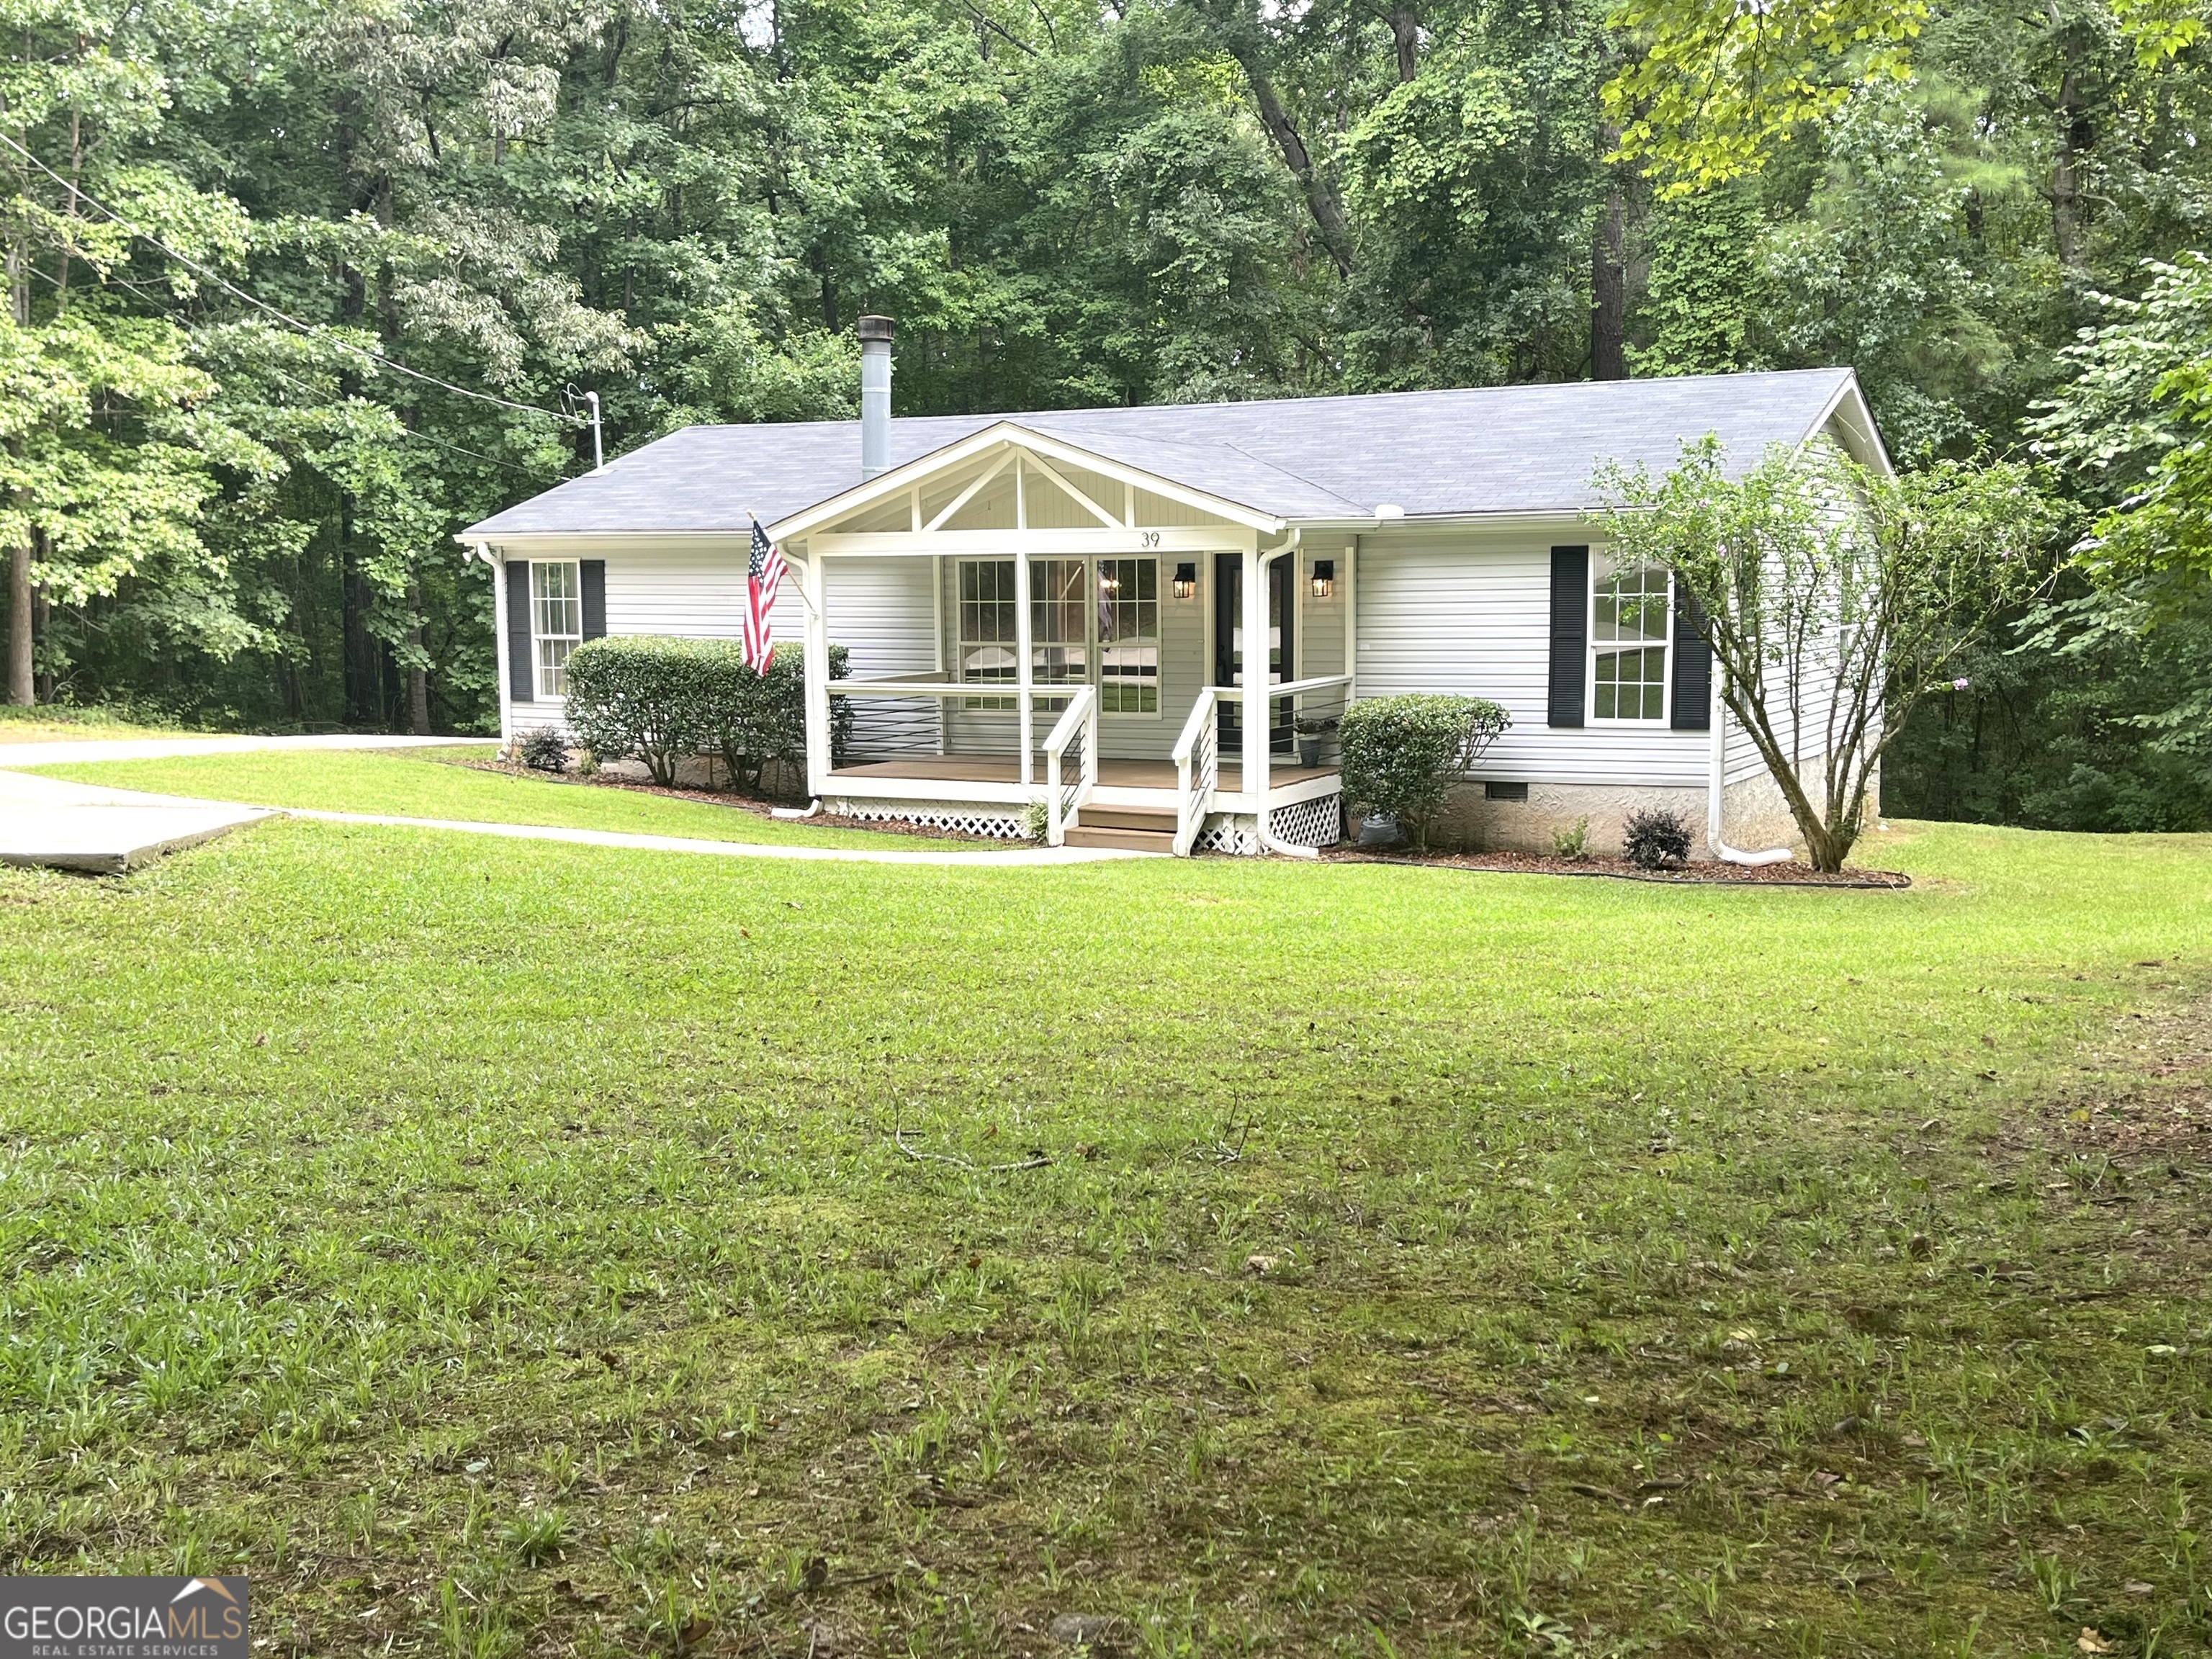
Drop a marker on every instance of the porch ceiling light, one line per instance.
(1324, 578)
(1186, 581)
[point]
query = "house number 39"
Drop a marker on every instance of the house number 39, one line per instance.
(1151, 539)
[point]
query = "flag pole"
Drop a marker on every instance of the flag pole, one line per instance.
(803, 597)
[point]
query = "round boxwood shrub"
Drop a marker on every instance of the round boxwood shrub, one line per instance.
(1402, 755)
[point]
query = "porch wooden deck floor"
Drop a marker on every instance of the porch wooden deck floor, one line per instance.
(1112, 774)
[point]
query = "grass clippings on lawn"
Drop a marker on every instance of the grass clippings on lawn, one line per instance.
(60, 723)
(1702, 872)
(497, 1255)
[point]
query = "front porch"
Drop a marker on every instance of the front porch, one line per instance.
(1027, 661)
(1142, 805)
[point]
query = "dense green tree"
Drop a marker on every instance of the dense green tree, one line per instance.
(296, 293)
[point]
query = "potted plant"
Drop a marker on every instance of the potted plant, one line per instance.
(1311, 729)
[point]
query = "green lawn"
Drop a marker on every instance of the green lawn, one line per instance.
(432, 783)
(498, 1251)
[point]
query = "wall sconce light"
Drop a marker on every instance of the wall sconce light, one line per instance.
(1324, 578)
(1186, 581)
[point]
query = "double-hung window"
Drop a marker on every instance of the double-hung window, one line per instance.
(556, 622)
(1092, 621)
(1630, 609)
(1129, 637)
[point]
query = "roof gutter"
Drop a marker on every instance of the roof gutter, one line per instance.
(1372, 522)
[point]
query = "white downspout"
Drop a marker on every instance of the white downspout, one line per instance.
(1716, 792)
(498, 569)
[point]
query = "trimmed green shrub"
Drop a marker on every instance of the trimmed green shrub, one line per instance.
(658, 700)
(753, 721)
(640, 696)
(1402, 755)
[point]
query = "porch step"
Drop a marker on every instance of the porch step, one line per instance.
(1133, 829)
(1162, 819)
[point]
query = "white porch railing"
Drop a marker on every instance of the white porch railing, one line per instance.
(1198, 769)
(1071, 763)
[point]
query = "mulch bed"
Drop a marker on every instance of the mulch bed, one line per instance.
(1615, 869)
(758, 808)
(1521, 864)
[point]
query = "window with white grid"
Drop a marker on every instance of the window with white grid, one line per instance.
(1129, 637)
(1630, 611)
(556, 622)
(987, 641)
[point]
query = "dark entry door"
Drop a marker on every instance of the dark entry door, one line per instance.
(1229, 643)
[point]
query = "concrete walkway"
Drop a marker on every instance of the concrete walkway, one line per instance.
(88, 826)
(82, 826)
(1012, 859)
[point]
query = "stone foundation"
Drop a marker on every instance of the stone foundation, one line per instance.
(1471, 820)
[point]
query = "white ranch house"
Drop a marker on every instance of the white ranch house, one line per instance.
(1047, 615)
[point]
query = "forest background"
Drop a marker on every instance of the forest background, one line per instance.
(296, 290)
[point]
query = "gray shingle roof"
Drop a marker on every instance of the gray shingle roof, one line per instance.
(1493, 449)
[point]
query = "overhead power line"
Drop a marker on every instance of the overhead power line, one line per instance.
(401, 429)
(315, 331)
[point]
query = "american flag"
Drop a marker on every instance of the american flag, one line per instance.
(762, 577)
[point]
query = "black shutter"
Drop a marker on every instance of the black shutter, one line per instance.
(594, 571)
(521, 670)
(1691, 693)
(1571, 598)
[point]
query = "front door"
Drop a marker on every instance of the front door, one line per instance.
(1229, 644)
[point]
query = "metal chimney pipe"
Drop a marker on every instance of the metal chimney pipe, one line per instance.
(875, 395)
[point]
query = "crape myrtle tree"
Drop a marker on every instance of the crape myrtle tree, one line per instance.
(1834, 597)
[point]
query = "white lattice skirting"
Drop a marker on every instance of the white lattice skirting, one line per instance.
(966, 817)
(1318, 823)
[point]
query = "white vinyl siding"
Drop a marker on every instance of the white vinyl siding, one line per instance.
(879, 611)
(691, 591)
(1469, 612)
(681, 588)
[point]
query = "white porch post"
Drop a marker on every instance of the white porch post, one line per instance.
(811, 590)
(1255, 715)
(1350, 620)
(498, 569)
(1024, 698)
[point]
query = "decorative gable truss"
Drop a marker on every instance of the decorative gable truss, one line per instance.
(1007, 490)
